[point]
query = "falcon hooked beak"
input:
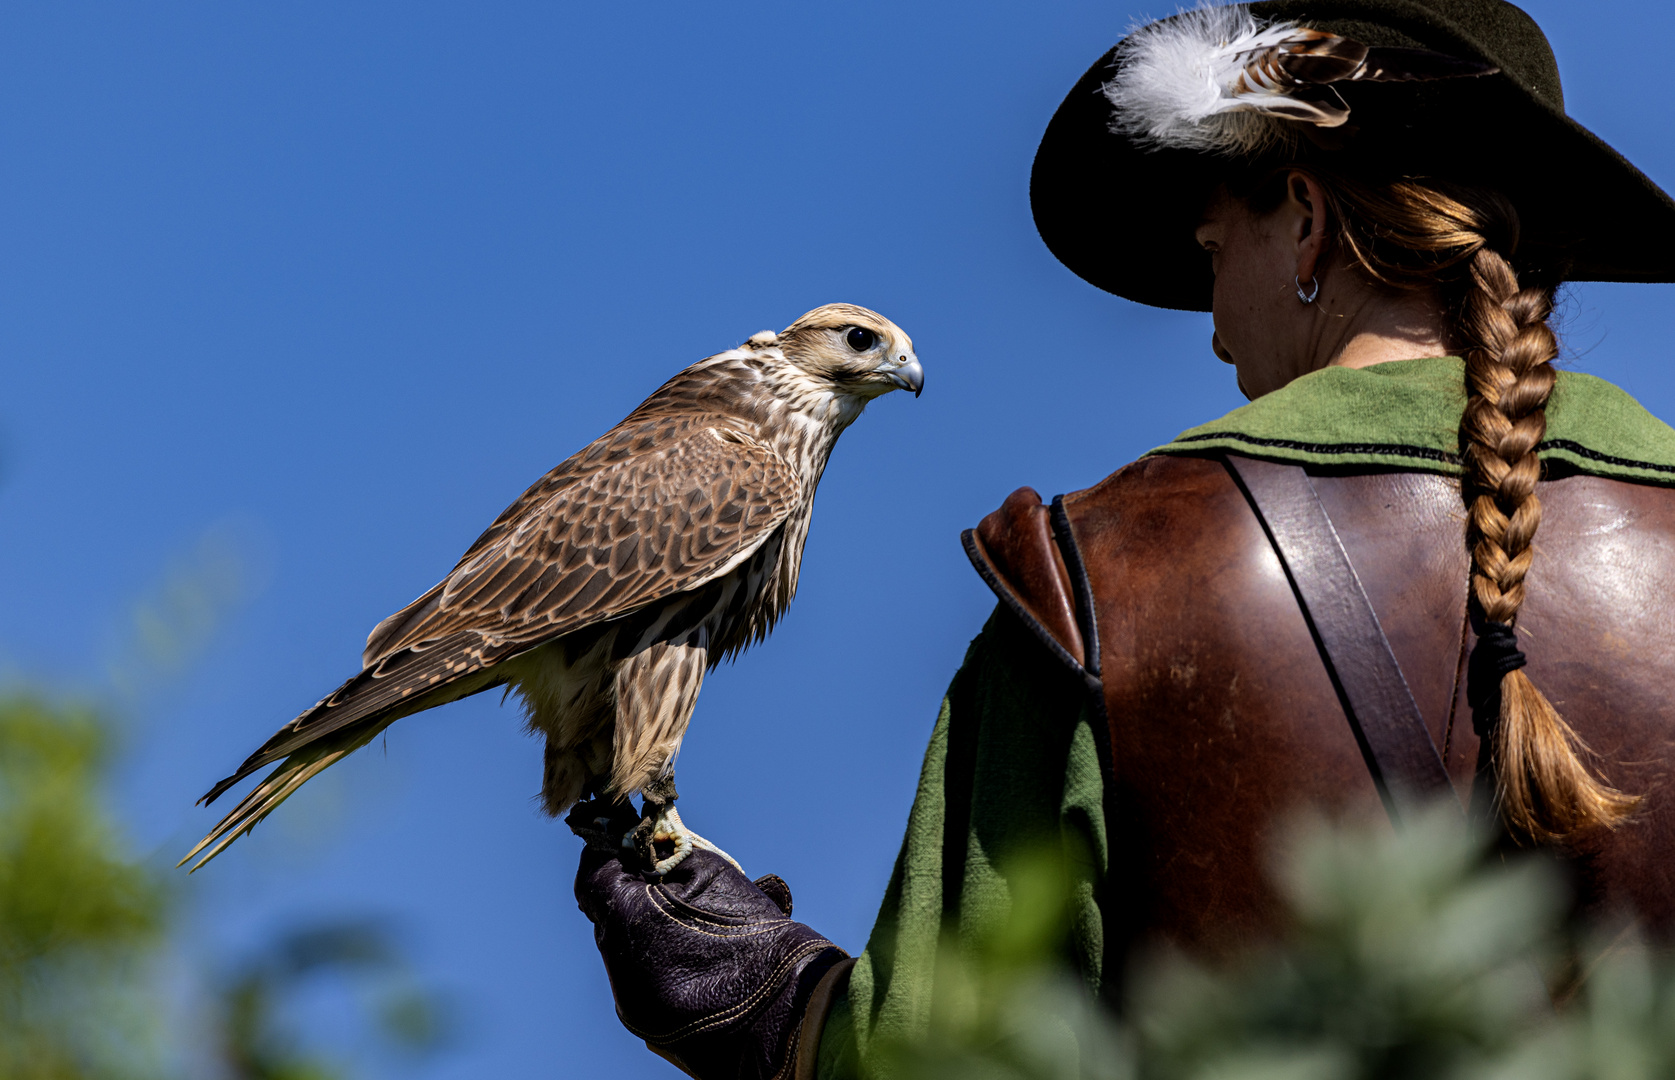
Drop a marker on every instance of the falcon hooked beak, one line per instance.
(907, 374)
(895, 367)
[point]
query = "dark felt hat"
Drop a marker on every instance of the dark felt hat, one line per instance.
(1122, 216)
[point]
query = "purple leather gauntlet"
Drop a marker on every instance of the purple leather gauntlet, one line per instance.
(706, 966)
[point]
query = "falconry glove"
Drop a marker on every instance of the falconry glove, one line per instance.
(707, 967)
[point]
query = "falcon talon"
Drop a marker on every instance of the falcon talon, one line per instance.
(669, 828)
(683, 848)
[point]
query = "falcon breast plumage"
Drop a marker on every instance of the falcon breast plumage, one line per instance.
(603, 595)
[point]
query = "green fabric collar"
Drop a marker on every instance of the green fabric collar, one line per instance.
(1406, 415)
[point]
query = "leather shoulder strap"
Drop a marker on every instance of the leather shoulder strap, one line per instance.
(1376, 700)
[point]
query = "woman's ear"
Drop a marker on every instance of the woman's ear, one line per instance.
(1307, 202)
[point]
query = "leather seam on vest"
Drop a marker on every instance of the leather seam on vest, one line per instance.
(1064, 536)
(1003, 592)
(1072, 556)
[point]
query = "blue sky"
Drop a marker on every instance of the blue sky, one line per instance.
(340, 280)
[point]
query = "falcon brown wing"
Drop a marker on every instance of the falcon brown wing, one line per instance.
(627, 522)
(645, 524)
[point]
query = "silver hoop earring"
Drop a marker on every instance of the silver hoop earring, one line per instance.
(1307, 297)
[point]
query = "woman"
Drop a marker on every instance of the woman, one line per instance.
(1377, 200)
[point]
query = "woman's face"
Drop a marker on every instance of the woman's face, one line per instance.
(1262, 328)
(1270, 333)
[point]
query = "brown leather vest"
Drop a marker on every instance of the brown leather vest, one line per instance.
(1223, 718)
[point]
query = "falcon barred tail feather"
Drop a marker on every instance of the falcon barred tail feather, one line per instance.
(603, 595)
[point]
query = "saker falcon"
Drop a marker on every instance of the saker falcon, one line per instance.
(607, 590)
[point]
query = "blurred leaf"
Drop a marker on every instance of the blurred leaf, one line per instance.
(414, 1020)
(258, 1045)
(171, 626)
(78, 920)
(1410, 956)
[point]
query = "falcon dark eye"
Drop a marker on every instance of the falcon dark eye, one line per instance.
(860, 338)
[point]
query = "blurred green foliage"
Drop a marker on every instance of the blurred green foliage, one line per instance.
(92, 984)
(257, 1045)
(84, 939)
(79, 921)
(1411, 956)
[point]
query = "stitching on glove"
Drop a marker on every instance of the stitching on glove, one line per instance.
(774, 983)
(750, 930)
(734, 1012)
(714, 919)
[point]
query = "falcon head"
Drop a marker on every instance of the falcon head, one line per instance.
(859, 353)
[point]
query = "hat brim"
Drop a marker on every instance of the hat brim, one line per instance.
(1122, 217)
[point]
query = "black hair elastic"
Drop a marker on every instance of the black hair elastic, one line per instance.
(1495, 656)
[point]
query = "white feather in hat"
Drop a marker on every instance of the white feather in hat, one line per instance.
(1219, 80)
